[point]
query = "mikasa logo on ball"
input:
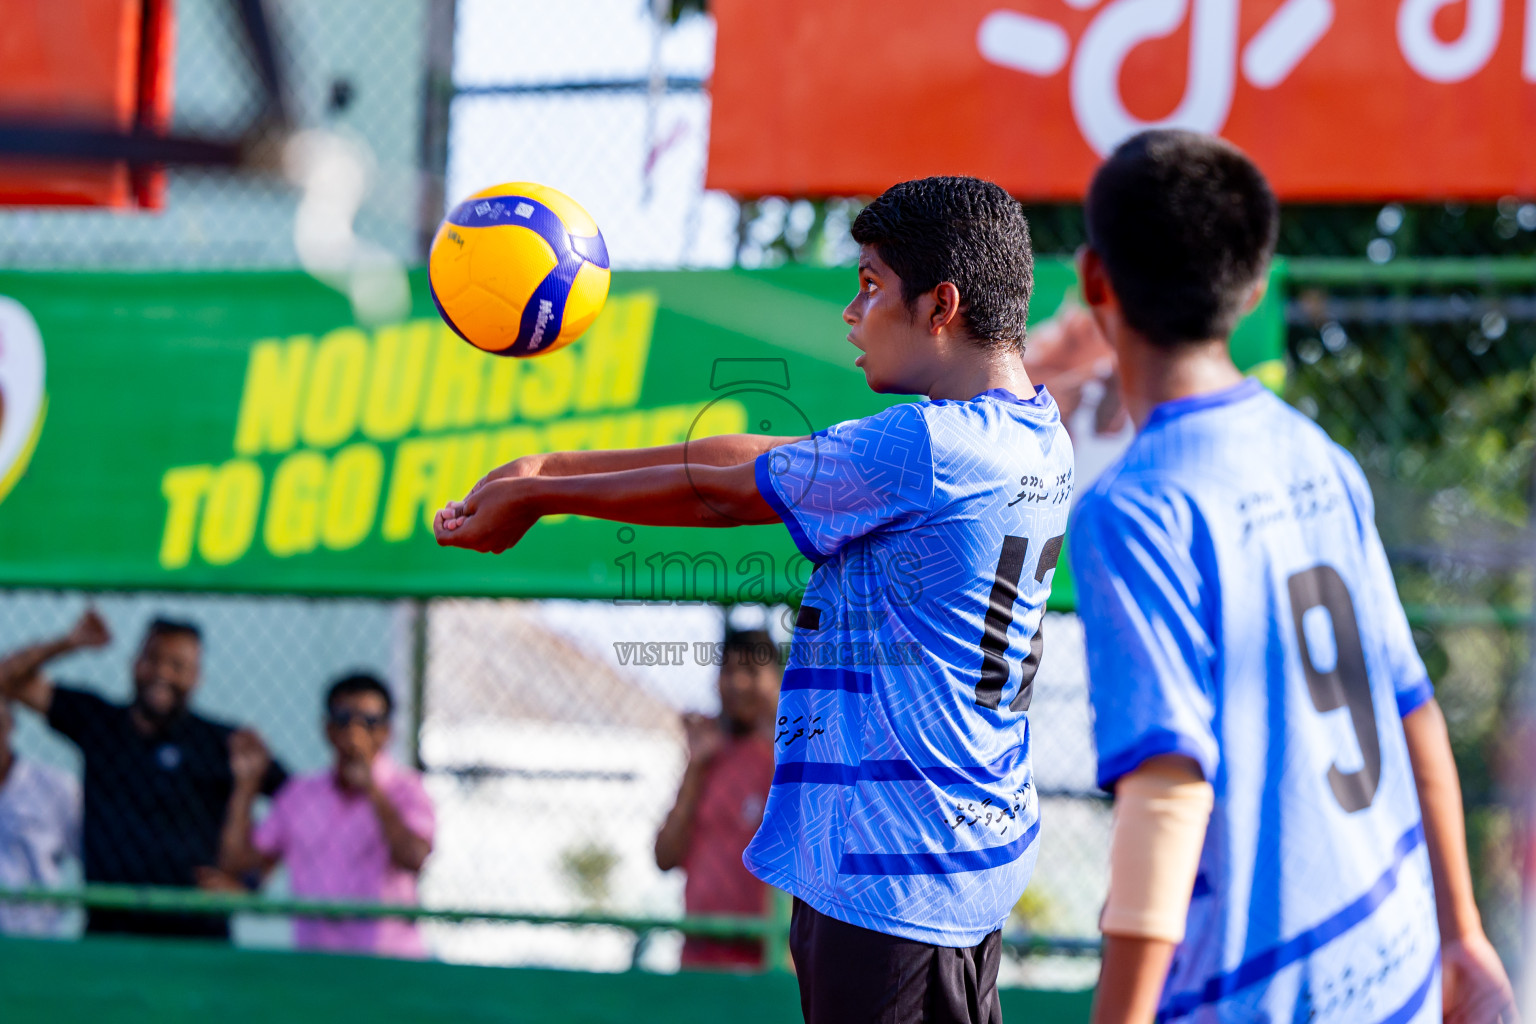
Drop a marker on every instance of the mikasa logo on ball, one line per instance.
(546, 310)
(22, 402)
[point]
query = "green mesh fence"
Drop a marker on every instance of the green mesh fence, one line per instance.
(1411, 340)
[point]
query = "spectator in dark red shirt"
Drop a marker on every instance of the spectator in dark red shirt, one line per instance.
(720, 802)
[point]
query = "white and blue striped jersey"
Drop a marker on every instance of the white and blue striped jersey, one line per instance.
(903, 799)
(1238, 609)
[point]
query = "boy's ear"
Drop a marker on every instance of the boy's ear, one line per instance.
(946, 307)
(1093, 278)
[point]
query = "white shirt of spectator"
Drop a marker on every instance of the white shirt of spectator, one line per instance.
(39, 832)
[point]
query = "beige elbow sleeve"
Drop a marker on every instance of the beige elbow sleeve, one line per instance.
(1161, 812)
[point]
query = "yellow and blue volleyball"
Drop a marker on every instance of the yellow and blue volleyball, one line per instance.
(519, 269)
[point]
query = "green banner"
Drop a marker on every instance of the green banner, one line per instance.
(238, 432)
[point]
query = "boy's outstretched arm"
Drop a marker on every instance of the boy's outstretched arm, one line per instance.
(1476, 988)
(498, 513)
(720, 450)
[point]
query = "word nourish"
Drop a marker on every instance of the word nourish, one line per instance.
(361, 435)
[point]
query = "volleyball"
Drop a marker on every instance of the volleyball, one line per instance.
(519, 269)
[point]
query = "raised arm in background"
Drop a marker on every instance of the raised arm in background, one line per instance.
(705, 739)
(21, 672)
(248, 762)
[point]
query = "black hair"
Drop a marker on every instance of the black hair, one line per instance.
(1185, 224)
(963, 230)
(162, 626)
(358, 682)
(754, 646)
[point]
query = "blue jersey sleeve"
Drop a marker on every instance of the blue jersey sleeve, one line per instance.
(850, 479)
(1146, 618)
(1410, 679)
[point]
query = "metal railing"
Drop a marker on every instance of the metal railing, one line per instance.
(773, 928)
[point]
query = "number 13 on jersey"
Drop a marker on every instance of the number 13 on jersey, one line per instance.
(994, 636)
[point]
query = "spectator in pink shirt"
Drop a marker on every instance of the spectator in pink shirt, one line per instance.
(359, 831)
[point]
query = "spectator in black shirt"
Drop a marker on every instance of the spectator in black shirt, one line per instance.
(157, 775)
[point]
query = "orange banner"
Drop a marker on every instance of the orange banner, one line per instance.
(1336, 99)
(85, 63)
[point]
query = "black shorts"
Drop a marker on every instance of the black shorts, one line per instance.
(851, 975)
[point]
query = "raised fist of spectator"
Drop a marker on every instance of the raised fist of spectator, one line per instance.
(248, 758)
(90, 630)
(356, 773)
(705, 737)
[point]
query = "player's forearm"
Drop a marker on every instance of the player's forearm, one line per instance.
(722, 450)
(1162, 809)
(499, 514)
(656, 496)
(1131, 979)
(1434, 773)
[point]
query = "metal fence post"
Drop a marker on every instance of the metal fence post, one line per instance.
(418, 681)
(437, 99)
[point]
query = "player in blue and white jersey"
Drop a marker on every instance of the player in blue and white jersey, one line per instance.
(1288, 842)
(903, 816)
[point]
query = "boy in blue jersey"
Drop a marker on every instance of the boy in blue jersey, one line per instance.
(902, 816)
(1288, 841)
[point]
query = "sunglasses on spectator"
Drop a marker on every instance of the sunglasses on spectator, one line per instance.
(343, 718)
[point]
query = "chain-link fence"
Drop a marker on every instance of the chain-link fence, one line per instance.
(547, 767)
(358, 68)
(1427, 373)
(550, 763)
